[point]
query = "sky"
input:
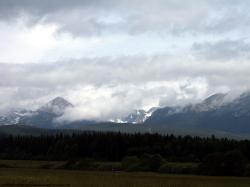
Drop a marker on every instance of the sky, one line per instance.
(109, 57)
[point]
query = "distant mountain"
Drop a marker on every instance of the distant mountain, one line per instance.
(216, 114)
(140, 116)
(56, 106)
(213, 113)
(210, 103)
(13, 117)
(137, 116)
(43, 117)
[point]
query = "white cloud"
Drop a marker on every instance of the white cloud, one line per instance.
(20, 44)
(103, 88)
(223, 50)
(109, 57)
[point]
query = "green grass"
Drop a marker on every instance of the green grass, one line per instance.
(45, 177)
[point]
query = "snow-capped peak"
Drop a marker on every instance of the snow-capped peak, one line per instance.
(210, 103)
(136, 117)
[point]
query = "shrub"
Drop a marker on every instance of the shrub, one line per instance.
(234, 163)
(147, 162)
(231, 163)
(151, 162)
(131, 163)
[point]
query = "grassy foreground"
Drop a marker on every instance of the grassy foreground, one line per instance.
(44, 177)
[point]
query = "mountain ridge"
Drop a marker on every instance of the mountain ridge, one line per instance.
(233, 116)
(215, 112)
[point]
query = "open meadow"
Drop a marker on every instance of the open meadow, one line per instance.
(50, 177)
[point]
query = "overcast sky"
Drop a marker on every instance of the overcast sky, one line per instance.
(109, 57)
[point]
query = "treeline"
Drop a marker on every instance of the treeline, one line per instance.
(115, 146)
(214, 154)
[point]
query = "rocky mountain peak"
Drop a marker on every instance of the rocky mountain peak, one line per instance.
(56, 106)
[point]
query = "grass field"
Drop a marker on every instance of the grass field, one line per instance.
(49, 177)
(29, 164)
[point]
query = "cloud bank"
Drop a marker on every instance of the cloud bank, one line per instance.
(110, 57)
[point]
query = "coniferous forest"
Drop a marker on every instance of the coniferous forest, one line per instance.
(214, 156)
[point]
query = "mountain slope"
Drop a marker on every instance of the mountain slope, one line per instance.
(137, 116)
(45, 116)
(13, 117)
(212, 113)
(56, 106)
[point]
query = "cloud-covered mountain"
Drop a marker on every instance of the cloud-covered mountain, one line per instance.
(137, 116)
(56, 106)
(214, 113)
(210, 103)
(14, 116)
(45, 116)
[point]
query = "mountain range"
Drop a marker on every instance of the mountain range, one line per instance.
(214, 115)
